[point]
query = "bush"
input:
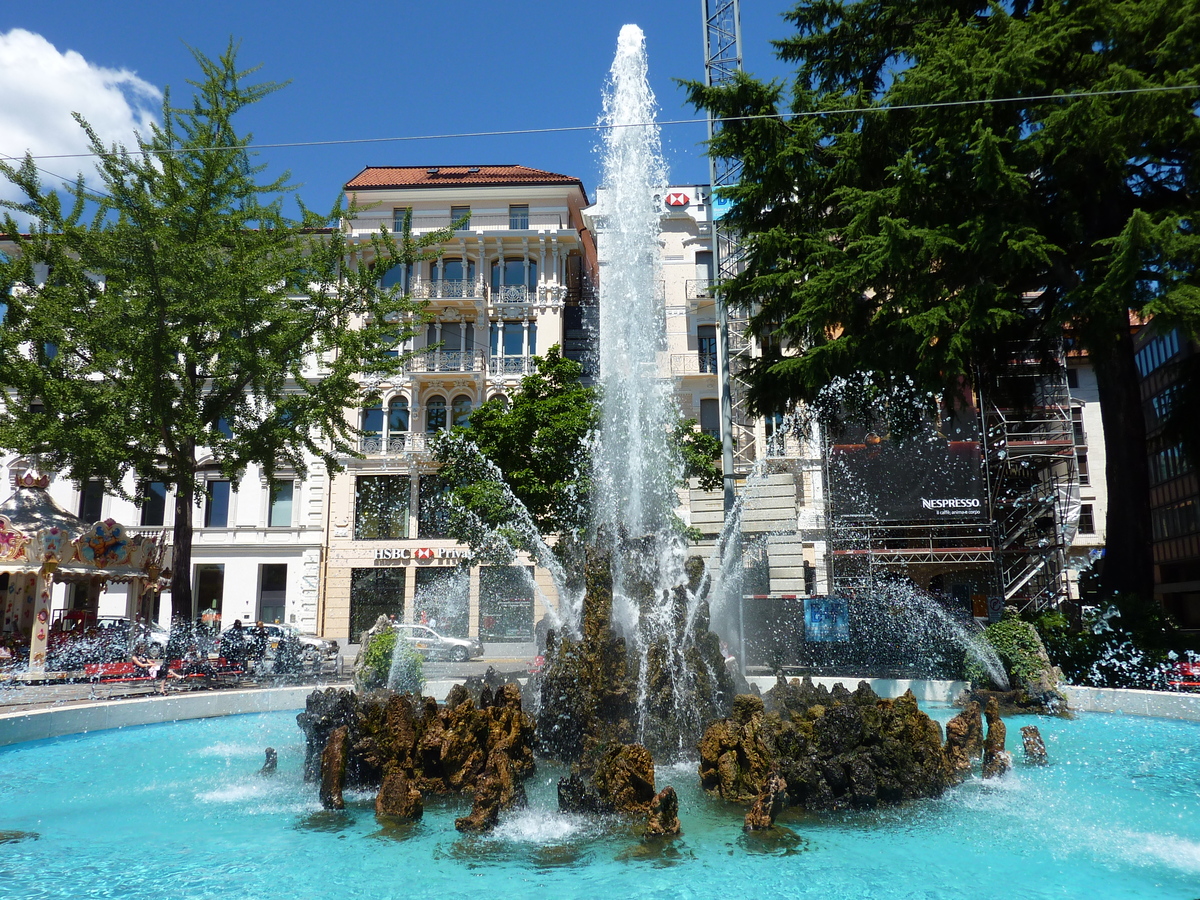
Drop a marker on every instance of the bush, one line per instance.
(1020, 649)
(383, 665)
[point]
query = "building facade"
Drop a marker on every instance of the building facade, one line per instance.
(513, 280)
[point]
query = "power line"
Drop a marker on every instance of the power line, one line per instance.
(565, 129)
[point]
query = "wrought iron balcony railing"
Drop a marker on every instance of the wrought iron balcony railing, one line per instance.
(399, 442)
(446, 361)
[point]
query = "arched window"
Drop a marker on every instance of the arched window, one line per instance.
(400, 276)
(510, 272)
(398, 415)
(435, 414)
(457, 278)
(501, 399)
(460, 410)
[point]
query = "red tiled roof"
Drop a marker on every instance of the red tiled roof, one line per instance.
(436, 176)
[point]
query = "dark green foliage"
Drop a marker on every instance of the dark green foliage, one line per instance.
(1020, 649)
(908, 242)
(378, 658)
(188, 312)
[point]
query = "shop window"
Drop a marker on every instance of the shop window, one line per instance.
(272, 592)
(506, 603)
(381, 506)
(280, 514)
(209, 589)
(374, 593)
(443, 600)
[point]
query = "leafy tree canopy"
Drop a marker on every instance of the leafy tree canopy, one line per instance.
(531, 451)
(952, 177)
(175, 315)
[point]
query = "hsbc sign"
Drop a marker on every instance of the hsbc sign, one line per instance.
(445, 556)
(678, 198)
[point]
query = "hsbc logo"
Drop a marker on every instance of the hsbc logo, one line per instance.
(678, 199)
(423, 553)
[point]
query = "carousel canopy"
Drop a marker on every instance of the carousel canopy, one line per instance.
(32, 509)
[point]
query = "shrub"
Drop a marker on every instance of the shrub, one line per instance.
(383, 665)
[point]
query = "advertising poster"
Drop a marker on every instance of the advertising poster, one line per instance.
(826, 620)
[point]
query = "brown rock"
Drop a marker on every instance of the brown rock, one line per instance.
(485, 811)
(333, 768)
(398, 797)
(270, 763)
(1035, 747)
(767, 805)
(663, 820)
(996, 760)
(964, 739)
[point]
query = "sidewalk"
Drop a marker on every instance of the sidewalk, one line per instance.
(17, 697)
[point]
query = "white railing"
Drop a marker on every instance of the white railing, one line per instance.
(446, 361)
(511, 365)
(399, 442)
(437, 290)
(693, 364)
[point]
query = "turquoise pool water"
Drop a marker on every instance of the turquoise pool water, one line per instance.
(177, 811)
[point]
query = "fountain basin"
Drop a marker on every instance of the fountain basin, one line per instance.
(178, 810)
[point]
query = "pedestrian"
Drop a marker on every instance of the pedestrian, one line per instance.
(258, 645)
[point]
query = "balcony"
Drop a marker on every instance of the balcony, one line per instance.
(511, 366)
(402, 442)
(436, 361)
(693, 364)
(699, 288)
(447, 290)
(423, 224)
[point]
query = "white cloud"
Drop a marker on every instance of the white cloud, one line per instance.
(40, 86)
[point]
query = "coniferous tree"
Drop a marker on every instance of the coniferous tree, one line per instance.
(953, 177)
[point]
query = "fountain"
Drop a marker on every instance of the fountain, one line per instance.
(451, 794)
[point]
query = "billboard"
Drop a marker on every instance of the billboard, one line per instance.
(925, 478)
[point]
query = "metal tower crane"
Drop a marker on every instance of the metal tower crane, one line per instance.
(722, 61)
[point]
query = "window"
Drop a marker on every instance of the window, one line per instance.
(209, 588)
(216, 511)
(460, 212)
(397, 422)
(398, 276)
(1073, 378)
(511, 273)
(457, 278)
(455, 336)
(443, 599)
(506, 603)
(1175, 520)
(1077, 427)
(91, 501)
(153, 503)
(1087, 522)
(1085, 475)
(508, 337)
(282, 491)
(433, 512)
(1156, 352)
(399, 216)
(435, 414)
(710, 417)
(374, 593)
(381, 504)
(224, 429)
(272, 591)
(460, 410)
(518, 217)
(706, 347)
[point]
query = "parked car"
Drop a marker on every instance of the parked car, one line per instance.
(311, 646)
(429, 643)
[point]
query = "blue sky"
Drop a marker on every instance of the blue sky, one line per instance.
(371, 69)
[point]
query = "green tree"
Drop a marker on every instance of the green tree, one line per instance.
(954, 176)
(532, 452)
(185, 316)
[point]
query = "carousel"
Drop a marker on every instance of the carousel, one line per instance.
(42, 544)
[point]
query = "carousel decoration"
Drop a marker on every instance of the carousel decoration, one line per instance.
(42, 544)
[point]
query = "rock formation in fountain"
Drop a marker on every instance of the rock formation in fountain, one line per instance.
(964, 739)
(271, 763)
(767, 805)
(996, 760)
(1035, 747)
(590, 714)
(1035, 681)
(663, 820)
(834, 749)
(403, 744)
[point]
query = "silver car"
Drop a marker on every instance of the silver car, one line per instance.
(429, 643)
(312, 648)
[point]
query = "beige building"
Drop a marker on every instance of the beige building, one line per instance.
(511, 282)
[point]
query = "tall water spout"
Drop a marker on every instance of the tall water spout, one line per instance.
(636, 466)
